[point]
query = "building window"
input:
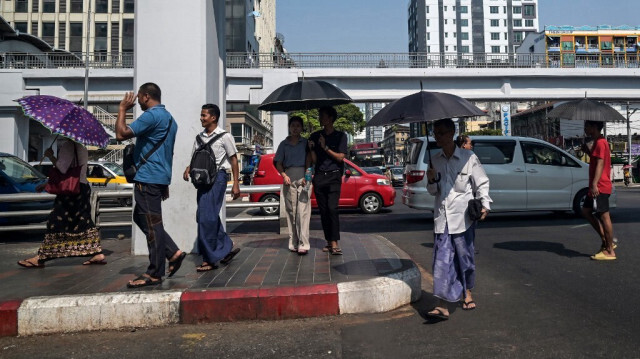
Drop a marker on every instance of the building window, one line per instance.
(495, 36)
(464, 9)
(517, 9)
(77, 6)
(445, 21)
(22, 6)
(528, 23)
(454, 21)
(446, 48)
(236, 132)
(428, 22)
(464, 36)
(506, 49)
(127, 35)
(495, 49)
(427, 9)
(453, 8)
(100, 46)
(517, 23)
(34, 28)
(445, 8)
(115, 36)
(464, 49)
(517, 36)
(22, 26)
(428, 36)
(446, 34)
(62, 7)
(35, 6)
(493, 9)
(529, 10)
(129, 6)
(495, 23)
(505, 22)
(464, 22)
(62, 35)
(115, 6)
(102, 6)
(75, 37)
(455, 34)
(506, 36)
(49, 6)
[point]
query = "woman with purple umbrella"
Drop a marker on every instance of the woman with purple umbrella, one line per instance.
(70, 229)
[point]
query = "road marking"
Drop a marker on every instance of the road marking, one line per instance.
(580, 225)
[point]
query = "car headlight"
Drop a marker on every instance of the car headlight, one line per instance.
(382, 182)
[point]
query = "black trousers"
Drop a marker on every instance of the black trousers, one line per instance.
(326, 186)
(147, 214)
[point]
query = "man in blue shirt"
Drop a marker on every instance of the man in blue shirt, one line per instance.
(152, 178)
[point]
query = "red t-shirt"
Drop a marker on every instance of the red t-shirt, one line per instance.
(601, 150)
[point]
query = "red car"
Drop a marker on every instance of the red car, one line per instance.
(369, 192)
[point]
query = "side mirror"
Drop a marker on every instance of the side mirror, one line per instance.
(347, 173)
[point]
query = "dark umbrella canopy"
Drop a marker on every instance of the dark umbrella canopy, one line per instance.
(304, 94)
(587, 110)
(424, 106)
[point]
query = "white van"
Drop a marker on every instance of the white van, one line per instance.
(526, 174)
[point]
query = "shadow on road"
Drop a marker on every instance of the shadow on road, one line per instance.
(539, 246)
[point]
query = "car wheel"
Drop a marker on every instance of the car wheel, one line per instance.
(578, 201)
(371, 203)
(270, 211)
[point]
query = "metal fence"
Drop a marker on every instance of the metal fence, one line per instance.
(54, 60)
(97, 210)
(430, 60)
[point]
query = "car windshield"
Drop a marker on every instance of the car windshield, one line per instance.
(18, 170)
(397, 171)
(372, 170)
(114, 167)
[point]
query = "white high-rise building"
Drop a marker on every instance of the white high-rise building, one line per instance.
(470, 26)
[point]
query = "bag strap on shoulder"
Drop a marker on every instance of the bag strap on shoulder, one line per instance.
(157, 145)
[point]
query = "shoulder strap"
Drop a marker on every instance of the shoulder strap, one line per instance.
(155, 148)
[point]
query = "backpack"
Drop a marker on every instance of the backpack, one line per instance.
(203, 168)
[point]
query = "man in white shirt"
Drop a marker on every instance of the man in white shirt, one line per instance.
(214, 243)
(454, 175)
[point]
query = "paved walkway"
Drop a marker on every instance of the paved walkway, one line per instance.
(370, 265)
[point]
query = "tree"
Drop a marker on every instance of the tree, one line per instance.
(485, 132)
(350, 120)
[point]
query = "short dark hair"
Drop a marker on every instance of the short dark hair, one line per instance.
(298, 119)
(329, 111)
(461, 140)
(447, 123)
(213, 110)
(598, 124)
(152, 90)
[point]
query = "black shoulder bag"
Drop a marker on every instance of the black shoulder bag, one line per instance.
(128, 163)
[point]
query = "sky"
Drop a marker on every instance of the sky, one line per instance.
(381, 25)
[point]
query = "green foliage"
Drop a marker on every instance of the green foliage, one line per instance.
(350, 120)
(485, 132)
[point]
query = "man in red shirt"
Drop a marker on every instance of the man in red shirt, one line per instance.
(596, 205)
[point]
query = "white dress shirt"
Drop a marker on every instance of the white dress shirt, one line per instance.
(462, 175)
(223, 148)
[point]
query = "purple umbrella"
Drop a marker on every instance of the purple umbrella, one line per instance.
(65, 118)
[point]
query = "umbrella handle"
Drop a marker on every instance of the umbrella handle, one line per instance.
(50, 146)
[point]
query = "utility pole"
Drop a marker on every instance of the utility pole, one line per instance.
(86, 59)
(629, 113)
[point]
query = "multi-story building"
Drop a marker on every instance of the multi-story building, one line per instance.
(470, 26)
(373, 133)
(394, 141)
(63, 23)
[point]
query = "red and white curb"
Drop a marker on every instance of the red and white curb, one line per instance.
(77, 313)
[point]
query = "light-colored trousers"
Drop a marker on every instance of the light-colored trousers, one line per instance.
(298, 213)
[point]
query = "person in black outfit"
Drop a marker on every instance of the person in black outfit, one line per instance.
(328, 149)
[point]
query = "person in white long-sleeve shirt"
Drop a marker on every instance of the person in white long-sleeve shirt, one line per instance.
(455, 176)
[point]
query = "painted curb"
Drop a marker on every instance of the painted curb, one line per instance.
(63, 314)
(9, 318)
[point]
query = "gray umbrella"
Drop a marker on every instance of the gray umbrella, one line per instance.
(304, 95)
(425, 106)
(587, 110)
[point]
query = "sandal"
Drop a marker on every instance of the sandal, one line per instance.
(204, 267)
(336, 251)
(147, 282)
(27, 264)
(326, 248)
(466, 305)
(437, 313)
(227, 259)
(175, 265)
(91, 261)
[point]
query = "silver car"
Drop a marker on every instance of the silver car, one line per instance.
(526, 174)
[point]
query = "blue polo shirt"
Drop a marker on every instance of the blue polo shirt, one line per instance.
(149, 129)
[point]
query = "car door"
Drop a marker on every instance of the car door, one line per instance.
(349, 185)
(507, 179)
(97, 177)
(549, 176)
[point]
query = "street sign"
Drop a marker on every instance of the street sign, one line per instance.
(505, 118)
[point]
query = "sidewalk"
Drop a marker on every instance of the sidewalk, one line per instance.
(264, 281)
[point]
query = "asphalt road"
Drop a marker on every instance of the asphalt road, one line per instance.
(538, 294)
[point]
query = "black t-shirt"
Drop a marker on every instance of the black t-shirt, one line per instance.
(337, 142)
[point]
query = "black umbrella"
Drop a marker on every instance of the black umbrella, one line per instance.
(425, 106)
(303, 95)
(587, 110)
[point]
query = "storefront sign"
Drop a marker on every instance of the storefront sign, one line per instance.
(505, 117)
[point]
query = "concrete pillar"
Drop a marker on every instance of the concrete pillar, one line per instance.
(14, 137)
(280, 128)
(180, 47)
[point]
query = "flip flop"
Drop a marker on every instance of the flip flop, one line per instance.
(25, 263)
(602, 257)
(439, 314)
(175, 265)
(90, 262)
(206, 267)
(302, 252)
(147, 282)
(227, 259)
(465, 305)
(326, 248)
(336, 251)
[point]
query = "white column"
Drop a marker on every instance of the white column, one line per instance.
(14, 137)
(280, 128)
(180, 47)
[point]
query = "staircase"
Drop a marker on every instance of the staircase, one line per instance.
(108, 121)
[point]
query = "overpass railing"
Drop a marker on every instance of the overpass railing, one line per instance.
(429, 60)
(65, 60)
